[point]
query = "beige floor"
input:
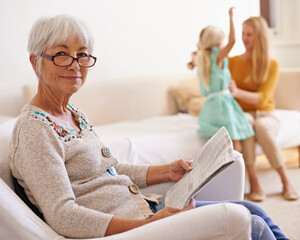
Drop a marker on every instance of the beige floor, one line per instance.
(290, 155)
(285, 214)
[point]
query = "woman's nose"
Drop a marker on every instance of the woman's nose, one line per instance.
(74, 65)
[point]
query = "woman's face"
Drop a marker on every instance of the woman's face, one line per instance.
(64, 80)
(248, 37)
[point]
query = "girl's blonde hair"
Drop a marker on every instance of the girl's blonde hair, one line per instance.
(210, 36)
(260, 53)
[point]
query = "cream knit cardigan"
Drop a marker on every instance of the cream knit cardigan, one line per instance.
(65, 175)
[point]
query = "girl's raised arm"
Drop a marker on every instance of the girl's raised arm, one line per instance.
(231, 39)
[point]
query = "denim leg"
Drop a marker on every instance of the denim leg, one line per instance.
(260, 230)
(160, 206)
(255, 210)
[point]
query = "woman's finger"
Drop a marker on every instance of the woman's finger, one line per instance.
(192, 205)
(185, 165)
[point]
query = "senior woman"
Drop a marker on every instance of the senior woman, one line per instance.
(65, 170)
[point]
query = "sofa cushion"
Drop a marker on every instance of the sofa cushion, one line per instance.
(289, 132)
(161, 139)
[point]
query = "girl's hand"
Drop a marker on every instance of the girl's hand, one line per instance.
(169, 211)
(178, 169)
(192, 63)
(231, 12)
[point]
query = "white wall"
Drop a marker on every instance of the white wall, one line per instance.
(285, 37)
(133, 37)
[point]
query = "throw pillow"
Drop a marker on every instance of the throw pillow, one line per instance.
(195, 105)
(187, 96)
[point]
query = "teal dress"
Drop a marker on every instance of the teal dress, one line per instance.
(220, 108)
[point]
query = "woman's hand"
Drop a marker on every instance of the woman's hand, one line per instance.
(168, 172)
(178, 168)
(233, 88)
(119, 225)
(245, 96)
(169, 211)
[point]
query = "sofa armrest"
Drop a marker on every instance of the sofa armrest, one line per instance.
(287, 90)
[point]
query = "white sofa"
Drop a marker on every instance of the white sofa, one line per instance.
(132, 106)
(139, 120)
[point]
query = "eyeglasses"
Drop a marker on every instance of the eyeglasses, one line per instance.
(66, 60)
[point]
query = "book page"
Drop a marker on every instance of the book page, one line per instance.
(216, 154)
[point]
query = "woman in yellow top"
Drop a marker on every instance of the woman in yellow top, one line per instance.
(255, 77)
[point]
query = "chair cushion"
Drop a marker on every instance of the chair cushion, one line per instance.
(21, 193)
(17, 221)
(5, 135)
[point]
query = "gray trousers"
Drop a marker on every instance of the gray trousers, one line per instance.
(266, 126)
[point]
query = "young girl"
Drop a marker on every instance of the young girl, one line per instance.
(220, 108)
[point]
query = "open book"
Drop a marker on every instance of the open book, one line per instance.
(213, 158)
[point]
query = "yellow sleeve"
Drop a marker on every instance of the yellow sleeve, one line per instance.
(267, 88)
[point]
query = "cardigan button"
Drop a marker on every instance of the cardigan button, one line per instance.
(105, 152)
(133, 188)
(112, 171)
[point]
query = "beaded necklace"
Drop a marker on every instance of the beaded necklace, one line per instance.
(65, 134)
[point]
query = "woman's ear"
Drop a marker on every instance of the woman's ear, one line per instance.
(33, 61)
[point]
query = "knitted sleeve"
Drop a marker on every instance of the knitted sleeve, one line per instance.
(38, 162)
(137, 173)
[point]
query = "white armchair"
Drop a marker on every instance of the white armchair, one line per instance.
(219, 221)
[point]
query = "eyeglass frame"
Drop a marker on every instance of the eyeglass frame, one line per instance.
(49, 57)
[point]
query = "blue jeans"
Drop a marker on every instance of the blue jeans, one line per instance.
(262, 227)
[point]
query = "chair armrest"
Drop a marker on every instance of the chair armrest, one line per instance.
(227, 185)
(232, 221)
(222, 221)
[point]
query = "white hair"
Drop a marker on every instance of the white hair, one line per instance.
(50, 31)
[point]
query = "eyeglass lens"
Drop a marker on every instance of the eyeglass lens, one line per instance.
(68, 60)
